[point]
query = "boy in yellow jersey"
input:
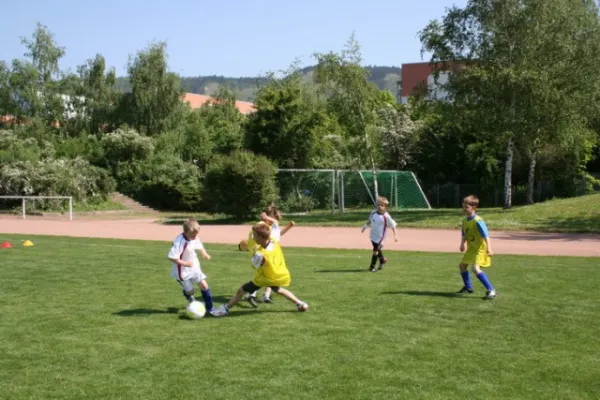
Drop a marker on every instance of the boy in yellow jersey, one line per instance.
(271, 217)
(479, 248)
(271, 271)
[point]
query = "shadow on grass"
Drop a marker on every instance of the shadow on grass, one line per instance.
(432, 294)
(140, 312)
(341, 270)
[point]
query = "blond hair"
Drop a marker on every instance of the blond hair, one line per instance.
(262, 230)
(383, 200)
(191, 226)
(272, 211)
(471, 200)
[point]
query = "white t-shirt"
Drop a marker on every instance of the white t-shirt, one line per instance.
(275, 232)
(185, 250)
(379, 224)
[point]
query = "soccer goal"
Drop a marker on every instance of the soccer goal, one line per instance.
(25, 205)
(305, 190)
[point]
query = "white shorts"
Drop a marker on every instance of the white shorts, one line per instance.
(195, 277)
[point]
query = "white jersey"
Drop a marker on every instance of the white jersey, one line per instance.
(185, 250)
(379, 224)
(275, 232)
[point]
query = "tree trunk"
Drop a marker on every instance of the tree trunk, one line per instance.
(508, 175)
(531, 179)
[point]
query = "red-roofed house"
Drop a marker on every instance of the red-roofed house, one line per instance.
(199, 100)
(421, 75)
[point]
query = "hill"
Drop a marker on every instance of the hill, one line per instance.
(245, 88)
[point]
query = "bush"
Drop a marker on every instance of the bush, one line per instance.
(163, 181)
(240, 185)
(77, 178)
(125, 145)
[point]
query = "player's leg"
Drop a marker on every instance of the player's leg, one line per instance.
(382, 259)
(464, 274)
(188, 289)
(266, 298)
(374, 256)
(246, 288)
(302, 306)
(490, 292)
(206, 295)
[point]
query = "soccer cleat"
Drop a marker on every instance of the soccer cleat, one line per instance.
(252, 301)
(372, 268)
(465, 290)
(220, 312)
(490, 294)
(382, 263)
(302, 306)
(266, 299)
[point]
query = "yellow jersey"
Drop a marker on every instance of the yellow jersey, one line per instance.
(270, 266)
(474, 231)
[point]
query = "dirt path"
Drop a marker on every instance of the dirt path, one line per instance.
(437, 240)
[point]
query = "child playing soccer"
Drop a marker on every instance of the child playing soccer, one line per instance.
(479, 248)
(186, 266)
(379, 220)
(271, 217)
(271, 271)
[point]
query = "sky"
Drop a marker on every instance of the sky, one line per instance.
(230, 38)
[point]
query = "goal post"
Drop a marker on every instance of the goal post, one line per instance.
(33, 198)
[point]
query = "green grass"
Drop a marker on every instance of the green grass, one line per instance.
(95, 319)
(578, 214)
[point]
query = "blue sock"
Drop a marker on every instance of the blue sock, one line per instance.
(466, 279)
(486, 282)
(207, 297)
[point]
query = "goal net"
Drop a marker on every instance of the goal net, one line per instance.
(305, 190)
(30, 206)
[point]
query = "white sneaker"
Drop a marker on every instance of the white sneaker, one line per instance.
(266, 299)
(302, 306)
(490, 294)
(220, 312)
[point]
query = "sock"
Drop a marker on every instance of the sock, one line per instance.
(188, 297)
(373, 260)
(253, 294)
(381, 257)
(486, 282)
(207, 297)
(466, 279)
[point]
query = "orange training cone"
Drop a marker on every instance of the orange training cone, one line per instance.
(27, 243)
(6, 245)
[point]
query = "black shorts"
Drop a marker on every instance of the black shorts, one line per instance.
(377, 246)
(250, 287)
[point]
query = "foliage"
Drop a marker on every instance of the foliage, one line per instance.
(162, 181)
(125, 145)
(59, 177)
(155, 92)
(399, 136)
(288, 126)
(240, 184)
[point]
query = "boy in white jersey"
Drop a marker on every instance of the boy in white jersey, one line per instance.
(186, 265)
(379, 220)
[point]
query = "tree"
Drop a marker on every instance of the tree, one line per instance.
(35, 82)
(288, 124)
(515, 55)
(352, 98)
(155, 98)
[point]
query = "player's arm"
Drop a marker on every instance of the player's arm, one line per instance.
(485, 234)
(366, 224)
(174, 257)
(204, 254)
(266, 218)
(286, 228)
(392, 224)
(257, 260)
(463, 238)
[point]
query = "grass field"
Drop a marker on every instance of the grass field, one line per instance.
(101, 319)
(578, 214)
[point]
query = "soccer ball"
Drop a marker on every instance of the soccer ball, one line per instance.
(195, 310)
